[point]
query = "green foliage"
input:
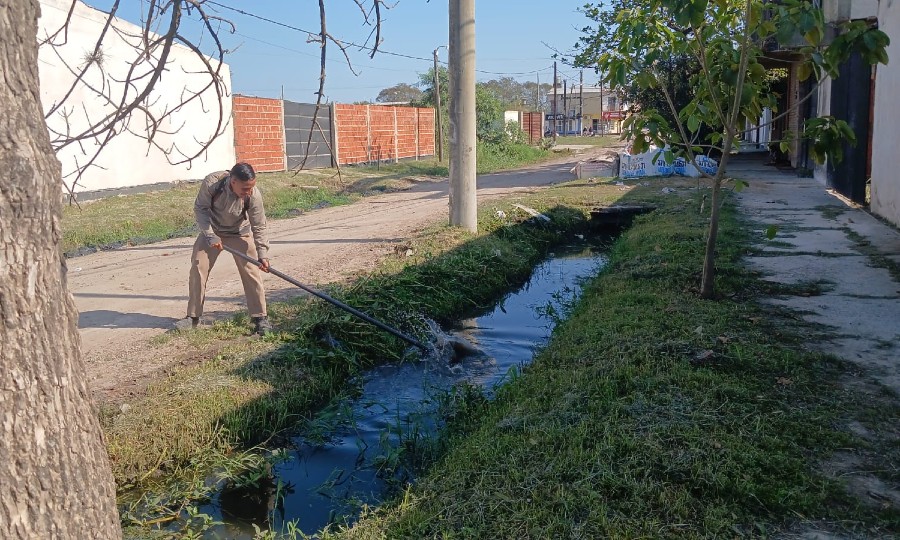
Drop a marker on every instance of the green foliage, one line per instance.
(635, 39)
(491, 99)
(826, 135)
(515, 95)
(636, 42)
(488, 114)
(401, 92)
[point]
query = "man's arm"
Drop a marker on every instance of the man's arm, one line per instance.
(256, 214)
(203, 209)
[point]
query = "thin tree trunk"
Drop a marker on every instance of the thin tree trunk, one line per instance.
(707, 282)
(55, 480)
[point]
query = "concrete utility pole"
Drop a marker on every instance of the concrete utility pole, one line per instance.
(437, 102)
(565, 107)
(553, 111)
(580, 100)
(463, 200)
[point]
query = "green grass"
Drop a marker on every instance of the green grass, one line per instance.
(650, 414)
(247, 390)
(154, 216)
(654, 414)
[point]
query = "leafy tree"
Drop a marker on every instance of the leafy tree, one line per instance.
(728, 39)
(426, 84)
(488, 108)
(488, 113)
(681, 70)
(536, 95)
(508, 91)
(402, 92)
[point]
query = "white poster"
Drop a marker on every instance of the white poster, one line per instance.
(653, 163)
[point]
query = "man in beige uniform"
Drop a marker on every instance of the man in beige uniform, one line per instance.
(228, 209)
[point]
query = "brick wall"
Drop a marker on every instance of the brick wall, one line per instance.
(377, 132)
(259, 132)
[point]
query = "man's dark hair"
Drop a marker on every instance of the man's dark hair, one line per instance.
(243, 172)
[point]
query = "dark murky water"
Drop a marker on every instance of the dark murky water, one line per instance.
(352, 460)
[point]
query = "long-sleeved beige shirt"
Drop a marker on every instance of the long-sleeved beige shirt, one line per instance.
(224, 216)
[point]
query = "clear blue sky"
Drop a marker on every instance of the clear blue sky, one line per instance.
(513, 38)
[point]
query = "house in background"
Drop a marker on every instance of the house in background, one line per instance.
(862, 96)
(580, 107)
(127, 160)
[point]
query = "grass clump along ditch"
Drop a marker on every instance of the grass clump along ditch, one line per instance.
(166, 443)
(655, 414)
(169, 213)
(651, 413)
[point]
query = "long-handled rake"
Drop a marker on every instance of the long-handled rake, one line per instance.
(330, 300)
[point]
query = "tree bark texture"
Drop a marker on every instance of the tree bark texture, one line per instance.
(55, 479)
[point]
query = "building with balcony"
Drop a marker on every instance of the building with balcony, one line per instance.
(578, 109)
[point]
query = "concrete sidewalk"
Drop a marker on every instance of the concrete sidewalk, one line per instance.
(822, 239)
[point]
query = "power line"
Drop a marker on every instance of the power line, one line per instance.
(363, 47)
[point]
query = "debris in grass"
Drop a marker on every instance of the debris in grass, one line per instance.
(532, 212)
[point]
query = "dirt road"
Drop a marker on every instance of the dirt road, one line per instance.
(127, 296)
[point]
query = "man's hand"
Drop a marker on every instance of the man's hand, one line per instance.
(217, 245)
(264, 265)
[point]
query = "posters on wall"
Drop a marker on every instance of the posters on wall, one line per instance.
(653, 162)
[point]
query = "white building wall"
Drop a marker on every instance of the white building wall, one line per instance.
(846, 10)
(886, 132)
(128, 160)
(820, 172)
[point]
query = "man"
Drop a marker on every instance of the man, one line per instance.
(229, 207)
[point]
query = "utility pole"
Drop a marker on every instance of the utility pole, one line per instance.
(437, 101)
(537, 96)
(463, 198)
(565, 107)
(602, 120)
(580, 100)
(553, 108)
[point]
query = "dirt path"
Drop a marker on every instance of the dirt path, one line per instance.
(128, 296)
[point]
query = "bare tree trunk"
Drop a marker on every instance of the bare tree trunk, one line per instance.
(708, 281)
(55, 480)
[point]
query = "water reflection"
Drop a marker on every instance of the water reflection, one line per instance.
(332, 479)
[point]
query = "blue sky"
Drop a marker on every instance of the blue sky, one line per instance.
(513, 38)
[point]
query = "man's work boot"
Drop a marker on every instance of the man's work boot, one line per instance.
(262, 326)
(187, 323)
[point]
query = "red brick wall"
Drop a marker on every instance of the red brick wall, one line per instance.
(371, 132)
(259, 132)
(427, 132)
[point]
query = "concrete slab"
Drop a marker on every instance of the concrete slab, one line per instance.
(793, 269)
(798, 218)
(863, 308)
(877, 319)
(826, 241)
(883, 237)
